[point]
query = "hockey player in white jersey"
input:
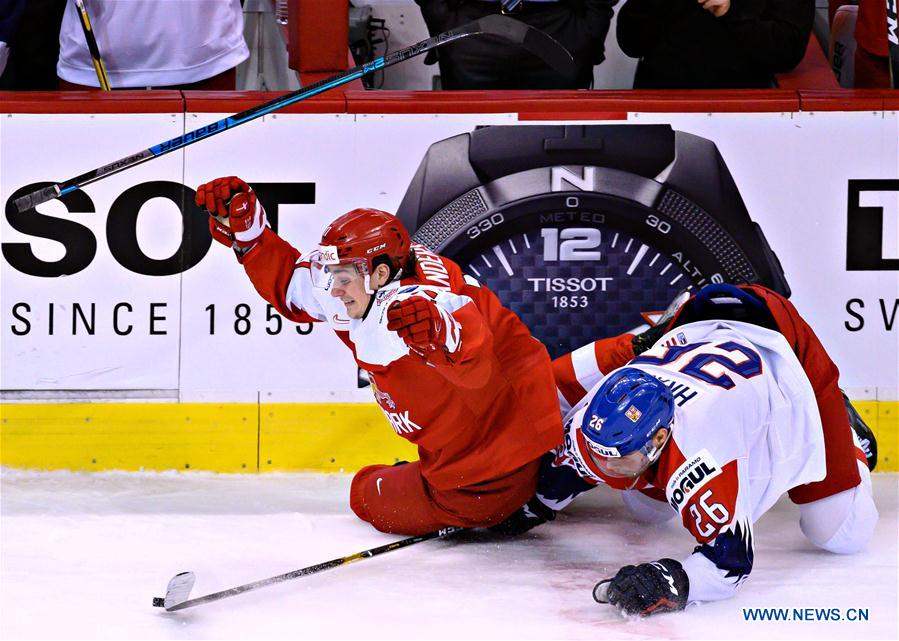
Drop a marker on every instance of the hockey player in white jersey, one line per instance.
(712, 424)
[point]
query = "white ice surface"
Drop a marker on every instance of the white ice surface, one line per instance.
(82, 555)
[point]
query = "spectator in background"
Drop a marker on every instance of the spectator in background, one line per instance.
(10, 12)
(872, 53)
(492, 63)
(183, 44)
(29, 43)
(713, 44)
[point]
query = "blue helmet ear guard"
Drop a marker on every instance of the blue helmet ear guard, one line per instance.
(625, 413)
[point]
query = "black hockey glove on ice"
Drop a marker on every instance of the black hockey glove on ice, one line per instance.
(530, 515)
(648, 588)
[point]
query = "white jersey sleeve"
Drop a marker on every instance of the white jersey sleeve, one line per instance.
(719, 515)
(303, 295)
(375, 344)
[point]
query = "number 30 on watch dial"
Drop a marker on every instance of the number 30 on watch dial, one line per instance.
(580, 229)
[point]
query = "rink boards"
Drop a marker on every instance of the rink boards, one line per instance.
(235, 437)
(167, 359)
(245, 437)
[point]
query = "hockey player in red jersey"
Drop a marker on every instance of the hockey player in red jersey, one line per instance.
(734, 406)
(454, 371)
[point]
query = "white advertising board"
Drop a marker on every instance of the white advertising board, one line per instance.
(199, 329)
(88, 321)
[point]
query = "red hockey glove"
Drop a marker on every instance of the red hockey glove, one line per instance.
(420, 324)
(236, 216)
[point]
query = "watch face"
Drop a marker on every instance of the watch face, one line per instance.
(571, 284)
(585, 247)
(576, 266)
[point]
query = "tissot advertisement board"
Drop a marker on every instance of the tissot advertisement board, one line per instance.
(581, 228)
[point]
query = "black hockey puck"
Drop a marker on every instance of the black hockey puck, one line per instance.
(158, 602)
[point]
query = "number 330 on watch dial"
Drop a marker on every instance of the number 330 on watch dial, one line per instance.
(580, 229)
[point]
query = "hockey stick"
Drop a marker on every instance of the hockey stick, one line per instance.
(99, 67)
(531, 39)
(180, 585)
(893, 41)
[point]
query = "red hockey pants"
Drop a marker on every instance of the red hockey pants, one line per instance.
(397, 499)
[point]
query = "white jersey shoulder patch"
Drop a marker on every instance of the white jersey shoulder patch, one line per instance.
(687, 479)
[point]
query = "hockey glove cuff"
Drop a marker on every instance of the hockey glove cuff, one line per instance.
(527, 517)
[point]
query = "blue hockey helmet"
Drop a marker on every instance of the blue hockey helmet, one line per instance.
(623, 416)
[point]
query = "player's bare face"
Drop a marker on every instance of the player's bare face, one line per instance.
(349, 286)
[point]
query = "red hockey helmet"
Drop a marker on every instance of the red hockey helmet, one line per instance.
(358, 239)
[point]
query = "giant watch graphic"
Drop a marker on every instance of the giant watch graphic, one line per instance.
(580, 229)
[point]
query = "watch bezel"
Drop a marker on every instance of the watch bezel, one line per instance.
(461, 222)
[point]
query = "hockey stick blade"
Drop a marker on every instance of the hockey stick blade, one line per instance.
(177, 591)
(533, 40)
(528, 37)
(179, 588)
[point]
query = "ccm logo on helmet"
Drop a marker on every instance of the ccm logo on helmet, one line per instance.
(689, 477)
(376, 248)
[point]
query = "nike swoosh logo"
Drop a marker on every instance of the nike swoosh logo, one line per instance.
(378, 485)
(344, 321)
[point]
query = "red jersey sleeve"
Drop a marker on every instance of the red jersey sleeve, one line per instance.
(472, 364)
(276, 270)
(577, 372)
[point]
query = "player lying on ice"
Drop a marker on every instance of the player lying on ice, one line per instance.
(736, 404)
(454, 371)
